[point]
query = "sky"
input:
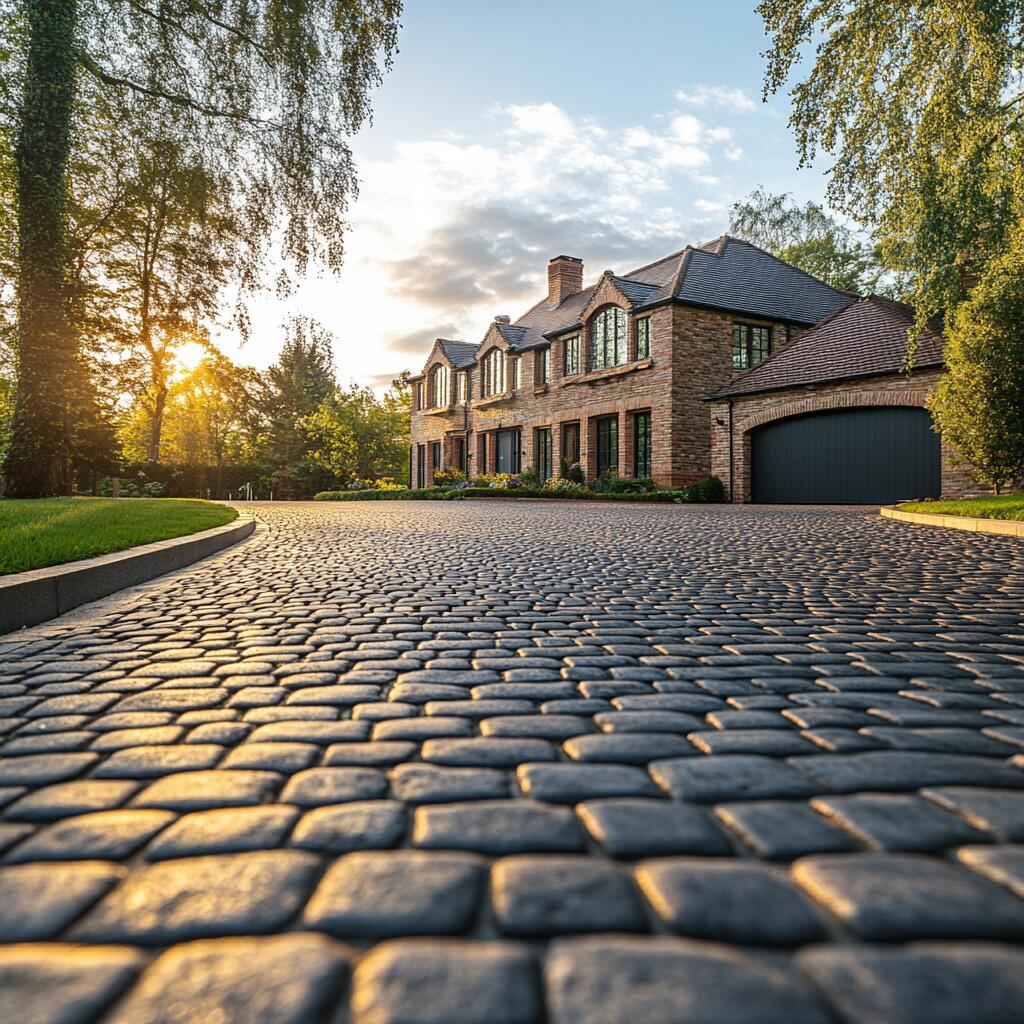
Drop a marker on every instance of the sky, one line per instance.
(508, 133)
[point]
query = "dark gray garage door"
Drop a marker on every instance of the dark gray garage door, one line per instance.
(850, 456)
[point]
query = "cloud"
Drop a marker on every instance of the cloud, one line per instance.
(452, 229)
(419, 341)
(717, 96)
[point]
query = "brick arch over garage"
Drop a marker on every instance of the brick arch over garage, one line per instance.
(752, 411)
(825, 402)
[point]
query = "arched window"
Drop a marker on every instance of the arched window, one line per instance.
(440, 391)
(494, 372)
(608, 346)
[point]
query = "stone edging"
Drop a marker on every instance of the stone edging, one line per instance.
(28, 598)
(1001, 527)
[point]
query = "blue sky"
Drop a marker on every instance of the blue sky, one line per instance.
(507, 133)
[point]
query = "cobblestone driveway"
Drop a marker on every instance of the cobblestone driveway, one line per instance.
(510, 764)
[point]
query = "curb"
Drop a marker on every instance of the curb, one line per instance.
(28, 598)
(999, 527)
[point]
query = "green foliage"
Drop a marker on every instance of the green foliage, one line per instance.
(195, 141)
(448, 477)
(611, 483)
(1005, 506)
(979, 403)
(571, 471)
(919, 105)
(708, 489)
(34, 534)
(809, 238)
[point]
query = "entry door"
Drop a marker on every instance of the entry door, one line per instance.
(508, 451)
(849, 456)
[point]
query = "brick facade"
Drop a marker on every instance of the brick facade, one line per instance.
(690, 355)
(752, 411)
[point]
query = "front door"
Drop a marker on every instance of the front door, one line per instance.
(508, 451)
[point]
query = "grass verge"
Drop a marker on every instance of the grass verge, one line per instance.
(52, 531)
(1006, 506)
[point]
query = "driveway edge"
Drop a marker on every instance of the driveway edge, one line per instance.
(29, 598)
(972, 524)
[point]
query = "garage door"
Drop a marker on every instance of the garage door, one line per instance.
(849, 456)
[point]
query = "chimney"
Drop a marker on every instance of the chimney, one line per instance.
(565, 278)
(504, 318)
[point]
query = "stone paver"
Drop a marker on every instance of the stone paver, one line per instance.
(792, 736)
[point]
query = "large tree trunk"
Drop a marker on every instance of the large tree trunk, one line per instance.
(156, 426)
(47, 363)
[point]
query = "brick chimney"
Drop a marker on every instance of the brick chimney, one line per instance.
(565, 278)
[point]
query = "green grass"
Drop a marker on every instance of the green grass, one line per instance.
(51, 531)
(1006, 506)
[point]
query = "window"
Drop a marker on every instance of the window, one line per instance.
(494, 372)
(440, 384)
(435, 454)
(750, 345)
(462, 386)
(542, 452)
(459, 453)
(572, 355)
(571, 443)
(516, 374)
(417, 395)
(608, 445)
(545, 365)
(642, 444)
(421, 465)
(643, 337)
(608, 338)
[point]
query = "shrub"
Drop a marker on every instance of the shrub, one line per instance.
(561, 486)
(611, 483)
(572, 471)
(529, 478)
(448, 477)
(496, 480)
(708, 490)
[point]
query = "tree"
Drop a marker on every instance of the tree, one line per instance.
(296, 385)
(353, 435)
(979, 402)
(809, 238)
(266, 93)
(920, 106)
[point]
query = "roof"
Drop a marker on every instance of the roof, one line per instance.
(726, 273)
(459, 353)
(866, 338)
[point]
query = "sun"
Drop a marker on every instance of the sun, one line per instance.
(190, 355)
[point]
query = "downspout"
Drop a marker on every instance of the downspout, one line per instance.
(732, 493)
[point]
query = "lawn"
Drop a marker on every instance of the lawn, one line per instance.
(1006, 506)
(51, 531)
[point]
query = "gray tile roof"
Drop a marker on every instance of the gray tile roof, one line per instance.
(459, 353)
(726, 273)
(866, 338)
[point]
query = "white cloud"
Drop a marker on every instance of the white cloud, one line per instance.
(450, 230)
(717, 96)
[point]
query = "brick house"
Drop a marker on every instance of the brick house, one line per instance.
(615, 375)
(836, 417)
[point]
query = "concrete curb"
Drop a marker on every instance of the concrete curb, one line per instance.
(28, 598)
(999, 527)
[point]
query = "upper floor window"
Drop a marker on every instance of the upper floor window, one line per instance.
(608, 338)
(516, 373)
(440, 384)
(493, 374)
(750, 345)
(572, 355)
(417, 395)
(545, 365)
(462, 388)
(643, 337)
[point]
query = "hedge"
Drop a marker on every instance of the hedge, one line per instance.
(451, 494)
